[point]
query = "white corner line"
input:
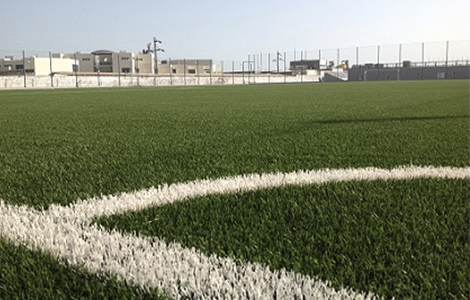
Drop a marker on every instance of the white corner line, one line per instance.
(66, 233)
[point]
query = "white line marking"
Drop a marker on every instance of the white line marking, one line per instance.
(66, 233)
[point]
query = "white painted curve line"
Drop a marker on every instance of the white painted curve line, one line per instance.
(66, 233)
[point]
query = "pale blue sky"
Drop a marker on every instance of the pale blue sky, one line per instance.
(227, 30)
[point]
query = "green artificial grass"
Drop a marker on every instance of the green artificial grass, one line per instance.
(26, 274)
(57, 146)
(402, 239)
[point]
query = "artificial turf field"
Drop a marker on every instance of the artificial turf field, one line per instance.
(404, 239)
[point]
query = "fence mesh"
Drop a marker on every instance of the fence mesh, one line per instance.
(19, 68)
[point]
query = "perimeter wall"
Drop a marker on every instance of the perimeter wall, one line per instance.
(71, 81)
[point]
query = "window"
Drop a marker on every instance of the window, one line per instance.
(126, 70)
(208, 71)
(164, 62)
(19, 67)
(125, 58)
(174, 71)
(86, 59)
(192, 71)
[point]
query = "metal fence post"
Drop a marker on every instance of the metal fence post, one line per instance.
(50, 69)
(447, 59)
(319, 65)
(24, 69)
(338, 63)
(285, 74)
(357, 56)
(269, 67)
(254, 68)
(119, 69)
(170, 70)
(422, 61)
(222, 70)
(400, 64)
(76, 69)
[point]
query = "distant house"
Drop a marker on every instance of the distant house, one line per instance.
(185, 66)
(104, 62)
(38, 66)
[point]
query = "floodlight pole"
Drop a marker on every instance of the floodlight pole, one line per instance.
(155, 50)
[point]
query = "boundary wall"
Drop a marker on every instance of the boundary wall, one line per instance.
(84, 81)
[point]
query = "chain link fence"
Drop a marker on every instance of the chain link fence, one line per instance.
(413, 61)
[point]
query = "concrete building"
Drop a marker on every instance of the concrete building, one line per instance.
(105, 61)
(185, 67)
(83, 62)
(410, 71)
(304, 67)
(38, 66)
(144, 63)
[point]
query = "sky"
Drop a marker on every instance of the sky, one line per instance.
(226, 29)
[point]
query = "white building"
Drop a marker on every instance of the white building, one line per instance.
(185, 66)
(104, 62)
(38, 66)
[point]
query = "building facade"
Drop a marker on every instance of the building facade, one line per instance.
(302, 67)
(104, 62)
(38, 66)
(410, 71)
(185, 67)
(109, 62)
